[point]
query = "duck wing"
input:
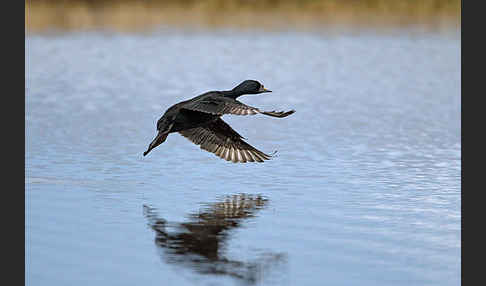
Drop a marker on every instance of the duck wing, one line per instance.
(220, 105)
(219, 138)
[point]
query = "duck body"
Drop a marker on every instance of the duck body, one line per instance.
(199, 120)
(183, 118)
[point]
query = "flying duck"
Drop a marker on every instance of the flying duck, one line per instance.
(199, 120)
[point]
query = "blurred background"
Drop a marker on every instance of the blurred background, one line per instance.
(365, 186)
(130, 15)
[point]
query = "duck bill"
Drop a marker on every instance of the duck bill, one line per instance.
(262, 89)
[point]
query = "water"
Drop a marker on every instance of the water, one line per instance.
(364, 190)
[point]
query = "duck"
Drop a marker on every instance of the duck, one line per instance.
(199, 120)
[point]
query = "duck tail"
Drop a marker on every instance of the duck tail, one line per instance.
(159, 139)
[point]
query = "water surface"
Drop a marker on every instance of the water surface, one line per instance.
(364, 190)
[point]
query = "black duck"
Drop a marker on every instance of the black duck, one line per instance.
(199, 120)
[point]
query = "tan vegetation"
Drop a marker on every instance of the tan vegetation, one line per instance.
(130, 15)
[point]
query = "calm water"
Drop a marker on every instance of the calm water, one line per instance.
(365, 188)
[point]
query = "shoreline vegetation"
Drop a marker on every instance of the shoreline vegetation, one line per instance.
(137, 15)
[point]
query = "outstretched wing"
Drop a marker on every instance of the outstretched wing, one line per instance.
(220, 139)
(220, 105)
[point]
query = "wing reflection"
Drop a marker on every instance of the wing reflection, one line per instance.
(200, 242)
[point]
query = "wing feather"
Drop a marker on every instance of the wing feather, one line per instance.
(220, 105)
(219, 138)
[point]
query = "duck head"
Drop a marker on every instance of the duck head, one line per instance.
(250, 87)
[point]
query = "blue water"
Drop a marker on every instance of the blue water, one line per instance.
(364, 190)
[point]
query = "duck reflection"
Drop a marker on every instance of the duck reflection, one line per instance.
(200, 242)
